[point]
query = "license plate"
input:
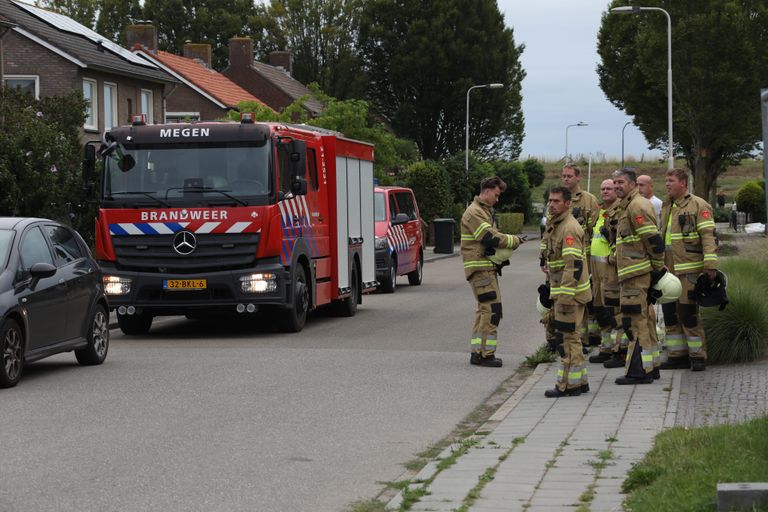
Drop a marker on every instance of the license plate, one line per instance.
(184, 284)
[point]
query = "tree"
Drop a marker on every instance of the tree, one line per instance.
(429, 182)
(718, 67)
(534, 170)
(421, 57)
(82, 11)
(201, 21)
(517, 196)
(321, 34)
(114, 16)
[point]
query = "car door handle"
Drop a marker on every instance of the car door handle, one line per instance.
(62, 282)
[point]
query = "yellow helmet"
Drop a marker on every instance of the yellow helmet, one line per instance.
(501, 255)
(670, 287)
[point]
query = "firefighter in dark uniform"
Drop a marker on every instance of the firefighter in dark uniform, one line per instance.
(479, 240)
(570, 292)
(688, 230)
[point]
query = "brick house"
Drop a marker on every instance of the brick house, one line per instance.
(273, 83)
(203, 94)
(49, 54)
(5, 27)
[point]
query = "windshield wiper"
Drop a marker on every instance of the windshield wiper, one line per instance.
(138, 193)
(209, 189)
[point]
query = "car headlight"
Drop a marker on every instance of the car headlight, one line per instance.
(258, 283)
(115, 285)
(380, 243)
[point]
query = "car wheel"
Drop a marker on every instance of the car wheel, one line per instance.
(134, 325)
(96, 350)
(414, 278)
(293, 319)
(348, 306)
(390, 280)
(12, 350)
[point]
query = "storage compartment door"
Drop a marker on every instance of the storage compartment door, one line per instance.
(342, 223)
(367, 223)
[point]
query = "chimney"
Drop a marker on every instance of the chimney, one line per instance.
(199, 51)
(141, 37)
(282, 59)
(240, 52)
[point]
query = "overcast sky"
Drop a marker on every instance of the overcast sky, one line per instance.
(561, 86)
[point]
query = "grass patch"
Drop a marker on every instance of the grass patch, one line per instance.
(542, 355)
(683, 469)
(368, 506)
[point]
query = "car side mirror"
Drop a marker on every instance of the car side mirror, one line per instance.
(400, 218)
(41, 270)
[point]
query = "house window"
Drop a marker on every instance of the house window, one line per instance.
(181, 117)
(147, 105)
(90, 94)
(110, 105)
(29, 84)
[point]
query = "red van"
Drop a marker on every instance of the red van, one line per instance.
(399, 242)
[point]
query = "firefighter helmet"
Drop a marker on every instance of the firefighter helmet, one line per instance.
(543, 302)
(670, 287)
(541, 308)
(500, 255)
(712, 292)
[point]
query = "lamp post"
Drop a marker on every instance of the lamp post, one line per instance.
(634, 9)
(466, 152)
(580, 123)
(622, 142)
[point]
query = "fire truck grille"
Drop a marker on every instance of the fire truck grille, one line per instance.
(212, 252)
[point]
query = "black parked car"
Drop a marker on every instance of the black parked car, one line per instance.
(51, 296)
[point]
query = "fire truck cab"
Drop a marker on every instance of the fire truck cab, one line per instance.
(242, 217)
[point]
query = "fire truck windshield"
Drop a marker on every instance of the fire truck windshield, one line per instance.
(181, 174)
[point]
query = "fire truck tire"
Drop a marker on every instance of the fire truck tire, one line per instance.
(389, 282)
(95, 352)
(292, 319)
(134, 325)
(348, 306)
(414, 278)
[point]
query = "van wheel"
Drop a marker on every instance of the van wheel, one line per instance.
(12, 351)
(390, 281)
(135, 325)
(98, 339)
(292, 319)
(348, 306)
(414, 278)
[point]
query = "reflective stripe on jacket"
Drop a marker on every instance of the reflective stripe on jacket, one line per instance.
(639, 247)
(478, 234)
(585, 208)
(566, 260)
(688, 229)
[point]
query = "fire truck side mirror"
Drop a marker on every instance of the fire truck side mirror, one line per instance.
(298, 156)
(89, 168)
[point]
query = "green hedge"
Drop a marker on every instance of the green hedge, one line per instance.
(722, 214)
(751, 199)
(510, 222)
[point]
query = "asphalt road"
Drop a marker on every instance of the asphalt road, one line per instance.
(231, 416)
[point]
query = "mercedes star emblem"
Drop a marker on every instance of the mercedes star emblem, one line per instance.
(184, 242)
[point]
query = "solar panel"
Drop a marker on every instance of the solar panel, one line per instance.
(66, 24)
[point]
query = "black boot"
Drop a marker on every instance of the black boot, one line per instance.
(474, 358)
(600, 357)
(698, 364)
(635, 371)
(656, 374)
(617, 360)
(491, 361)
(556, 393)
(595, 339)
(676, 363)
(628, 381)
(585, 388)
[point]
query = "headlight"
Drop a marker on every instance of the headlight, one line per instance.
(114, 285)
(258, 283)
(380, 243)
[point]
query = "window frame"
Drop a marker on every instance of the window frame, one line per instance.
(34, 78)
(23, 273)
(150, 104)
(181, 117)
(93, 103)
(113, 106)
(57, 260)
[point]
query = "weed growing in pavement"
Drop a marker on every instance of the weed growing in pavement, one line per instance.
(368, 506)
(542, 355)
(611, 439)
(486, 477)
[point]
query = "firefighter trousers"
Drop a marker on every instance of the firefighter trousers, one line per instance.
(485, 286)
(572, 373)
(682, 321)
(606, 297)
(639, 324)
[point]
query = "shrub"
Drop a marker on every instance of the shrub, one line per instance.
(430, 186)
(751, 199)
(722, 214)
(739, 333)
(510, 222)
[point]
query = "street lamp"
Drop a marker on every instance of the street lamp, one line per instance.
(634, 9)
(580, 123)
(622, 142)
(466, 152)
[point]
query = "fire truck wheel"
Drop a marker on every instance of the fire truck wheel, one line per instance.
(348, 306)
(414, 278)
(389, 282)
(293, 319)
(134, 325)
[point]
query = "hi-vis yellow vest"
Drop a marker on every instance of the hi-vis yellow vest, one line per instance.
(600, 245)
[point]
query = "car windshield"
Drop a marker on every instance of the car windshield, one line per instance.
(6, 240)
(379, 209)
(171, 175)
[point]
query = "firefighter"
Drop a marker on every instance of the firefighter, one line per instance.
(639, 264)
(612, 292)
(604, 274)
(688, 230)
(585, 209)
(569, 290)
(479, 240)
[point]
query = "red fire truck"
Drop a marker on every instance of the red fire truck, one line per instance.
(200, 217)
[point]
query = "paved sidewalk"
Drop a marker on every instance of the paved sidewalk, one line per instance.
(542, 454)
